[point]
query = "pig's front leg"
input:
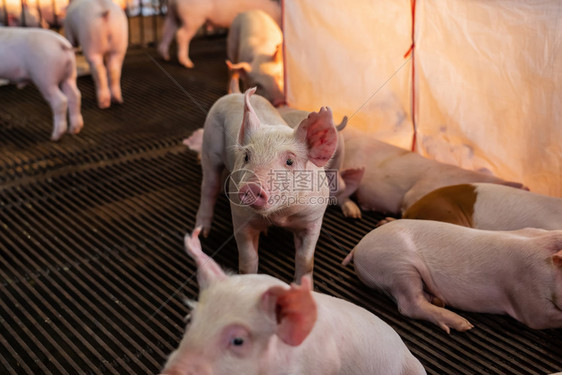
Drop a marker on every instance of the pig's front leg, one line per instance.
(350, 208)
(210, 188)
(305, 244)
(247, 238)
(169, 30)
(183, 38)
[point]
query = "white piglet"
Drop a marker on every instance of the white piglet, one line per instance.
(257, 324)
(255, 50)
(426, 264)
(488, 206)
(100, 28)
(277, 174)
(390, 179)
(46, 59)
(185, 17)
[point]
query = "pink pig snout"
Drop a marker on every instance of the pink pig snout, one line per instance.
(189, 365)
(253, 195)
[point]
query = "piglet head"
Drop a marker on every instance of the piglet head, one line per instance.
(280, 167)
(236, 319)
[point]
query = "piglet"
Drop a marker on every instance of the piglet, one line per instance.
(255, 48)
(390, 179)
(185, 17)
(293, 117)
(488, 206)
(277, 174)
(426, 264)
(100, 27)
(46, 59)
(270, 328)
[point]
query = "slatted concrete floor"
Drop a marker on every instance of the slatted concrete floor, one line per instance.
(92, 268)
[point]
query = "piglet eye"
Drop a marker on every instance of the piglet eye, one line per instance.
(246, 158)
(237, 341)
(289, 162)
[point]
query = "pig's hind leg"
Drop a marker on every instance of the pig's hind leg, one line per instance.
(74, 98)
(59, 104)
(183, 38)
(99, 74)
(114, 66)
(168, 32)
(413, 302)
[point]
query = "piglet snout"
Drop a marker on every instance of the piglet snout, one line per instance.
(253, 195)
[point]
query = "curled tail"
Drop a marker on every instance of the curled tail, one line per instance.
(348, 258)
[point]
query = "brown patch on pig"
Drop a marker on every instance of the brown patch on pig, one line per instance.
(451, 204)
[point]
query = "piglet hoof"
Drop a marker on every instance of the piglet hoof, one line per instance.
(351, 210)
(104, 103)
(384, 221)
(186, 62)
(117, 100)
(56, 136)
(455, 322)
(163, 52)
(77, 125)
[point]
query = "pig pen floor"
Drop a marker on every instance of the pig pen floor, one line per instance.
(93, 272)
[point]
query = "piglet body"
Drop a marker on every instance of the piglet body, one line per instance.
(501, 272)
(271, 328)
(277, 174)
(185, 17)
(395, 178)
(489, 206)
(255, 49)
(100, 28)
(46, 59)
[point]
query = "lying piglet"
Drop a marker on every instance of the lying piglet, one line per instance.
(46, 59)
(421, 262)
(488, 206)
(394, 178)
(256, 324)
(185, 17)
(255, 49)
(277, 174)
(100, 27)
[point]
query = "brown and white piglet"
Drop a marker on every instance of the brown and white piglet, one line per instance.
(390, 179)
(488, 206)
(46, 59)
(255, 50)
(258, 325)
(277, 174)
(426, 264)
(100, 28)
(185, 17)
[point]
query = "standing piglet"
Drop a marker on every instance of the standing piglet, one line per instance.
(271, 328)
(46, 59)
(255, 49)
(488, 206)
(427, 264)
(277, 174)
(390, 179)
(185, 17)
(100, 27)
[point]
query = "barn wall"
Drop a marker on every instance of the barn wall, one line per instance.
(487, 87)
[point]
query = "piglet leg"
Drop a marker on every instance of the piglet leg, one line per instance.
(409, 294)
(74, 97)
(305, 243)
(247, 239)
(59, 104)
(99, 74)
(114, 64)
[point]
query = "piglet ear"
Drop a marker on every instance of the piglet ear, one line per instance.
(557, 259)
(208, 271)
(278, 54)
(294, 309)
(241, 67)
(250, 122)
(320, 135)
